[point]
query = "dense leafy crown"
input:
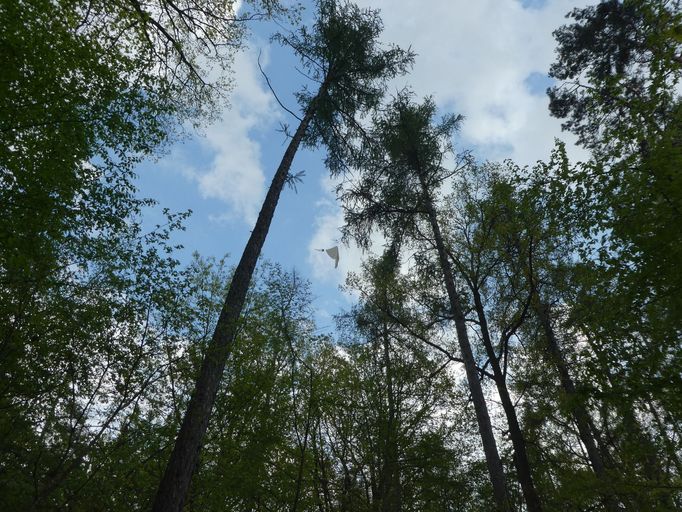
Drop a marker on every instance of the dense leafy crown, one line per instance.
(619, 64)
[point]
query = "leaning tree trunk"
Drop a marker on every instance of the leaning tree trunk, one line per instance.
(521, 463)
(485, 428)
(580, 414)
(174, 486)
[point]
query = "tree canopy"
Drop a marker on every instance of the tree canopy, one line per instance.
(513, 341)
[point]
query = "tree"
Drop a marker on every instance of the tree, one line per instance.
(253, 451)
(538, 244)
(79, 356)
(520, 248)
(343, 55)
(401, 173)
(478, 212)
(88, 89)
(422, 418)
(619, 66)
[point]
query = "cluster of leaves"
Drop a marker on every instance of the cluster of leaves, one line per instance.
(619, 66)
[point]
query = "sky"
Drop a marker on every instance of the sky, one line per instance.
(484, 59)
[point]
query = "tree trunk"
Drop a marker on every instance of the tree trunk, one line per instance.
(580, 414)
(303, 448)
(483, 418)
(521, 463)
(635, 436)
(174, 485)
(324, 500)
(389, 485)
(663, 426)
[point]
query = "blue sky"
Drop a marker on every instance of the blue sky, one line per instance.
(485, 59)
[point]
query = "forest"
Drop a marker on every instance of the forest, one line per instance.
(515, 341)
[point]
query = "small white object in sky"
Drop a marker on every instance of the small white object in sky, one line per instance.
(333, 254)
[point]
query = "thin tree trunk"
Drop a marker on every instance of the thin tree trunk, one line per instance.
(299, 477)
(670, 449)
(303, 448)
(580, 414)
(521, 463)
(389, 485)
(321, 464)
(651, 464)
(174, 485)
(485, 428)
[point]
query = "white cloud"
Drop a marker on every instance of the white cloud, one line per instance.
(474, 58)
(234, 173)
(327, 234)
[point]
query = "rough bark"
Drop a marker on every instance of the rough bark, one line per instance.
(485, 428)
(521, 463)
(174, 486)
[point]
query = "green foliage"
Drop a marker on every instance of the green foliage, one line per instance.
(90, 306)
(541, 245)
(412, 433)
(405, 146)
(621, 69)
(619, 66)
(342, 54)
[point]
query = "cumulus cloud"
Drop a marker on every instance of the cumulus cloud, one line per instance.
(475, 59)
(327, 234)
(484, 59)
(234, 172)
